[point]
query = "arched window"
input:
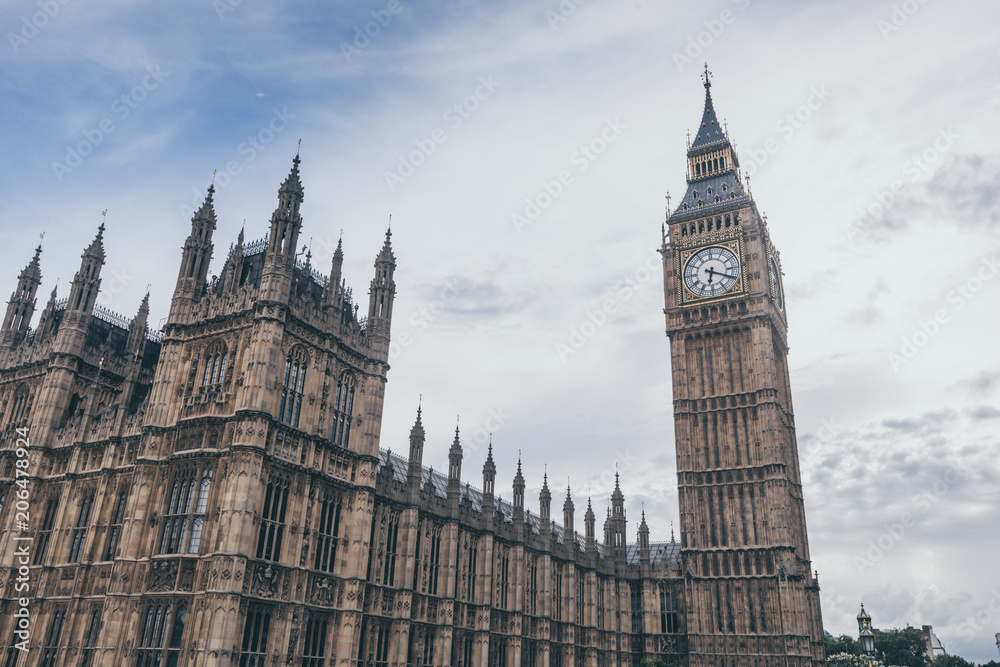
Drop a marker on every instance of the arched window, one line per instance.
(20, 405)
(184, 516)
(292, 384)
(115, 527)
(272, 520)
(80, 530)
(328, 533)
(343, 408)
(159, 642)
(215, 364)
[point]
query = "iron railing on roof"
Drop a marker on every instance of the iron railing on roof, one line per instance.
(254, 247)
(318, 277)
(111, 317)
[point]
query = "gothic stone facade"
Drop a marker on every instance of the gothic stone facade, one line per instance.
(749, 584)
(215, 494)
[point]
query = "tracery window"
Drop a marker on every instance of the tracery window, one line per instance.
(465, 582)
(636, 607)
(343, 408)
(159, 643)
(373, 649)
(668, 610)
(327, 533)
(292, 385)
(557, 588)
(89, 651)
(428, 558)
(314, 647)
(531, 586)
(42, 539)
(115, 528)
(501, 576)
(253, 648)
(272, 520)
(80, 529)
(20, 405)
(50, 650)
(382, 547)
(215, 364)
(184, 516)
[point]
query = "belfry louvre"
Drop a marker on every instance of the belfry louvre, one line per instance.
(215, 494)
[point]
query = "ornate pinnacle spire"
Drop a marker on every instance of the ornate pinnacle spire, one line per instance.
(385, 255)
(617, 494)
(292, 182)
(456, 443)
(207, 210)
(710, 131)
(519, 478)
(96, 247)
(418, 426)
(34, 263)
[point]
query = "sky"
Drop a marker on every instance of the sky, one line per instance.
(524, 152)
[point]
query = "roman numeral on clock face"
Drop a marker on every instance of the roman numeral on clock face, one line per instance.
(711, 271)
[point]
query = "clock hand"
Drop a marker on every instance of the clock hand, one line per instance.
(713, 272)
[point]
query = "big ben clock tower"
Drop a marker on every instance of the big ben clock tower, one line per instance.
(752, 598)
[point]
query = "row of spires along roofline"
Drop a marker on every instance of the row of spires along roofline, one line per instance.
(436, 483)
(285, 218)
(30, 280)
(94, 257)
(452, 479)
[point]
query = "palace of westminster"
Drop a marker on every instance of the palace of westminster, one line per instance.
(215, 494)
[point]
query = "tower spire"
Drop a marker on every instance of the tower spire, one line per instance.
(382, 293)
(192, 277)
(416, 451)
(713, 177)
(21, 306)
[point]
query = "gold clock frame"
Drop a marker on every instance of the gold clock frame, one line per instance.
(735, 246)
(774, 282)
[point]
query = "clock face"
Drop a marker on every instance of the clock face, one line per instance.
(779, 300)
(711, 271)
